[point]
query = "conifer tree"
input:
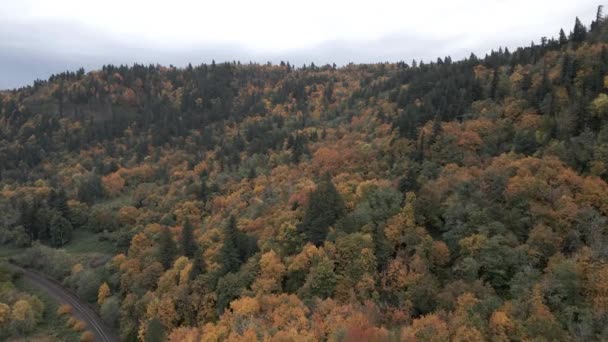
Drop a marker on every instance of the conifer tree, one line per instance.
(58, 200)
(198, 265)
(580, 31)
(324, 208)
(563, 39)
(494, 89)
(188, 243)
(167, 249)
(229, 254)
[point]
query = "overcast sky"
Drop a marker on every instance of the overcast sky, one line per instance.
(41, 37)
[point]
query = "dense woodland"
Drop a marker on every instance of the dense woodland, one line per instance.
(420, 201)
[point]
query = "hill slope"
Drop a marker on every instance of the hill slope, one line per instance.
(461, 200)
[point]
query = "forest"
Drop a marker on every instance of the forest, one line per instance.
(446, 200)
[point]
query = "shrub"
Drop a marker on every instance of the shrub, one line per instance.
(64, 309)
(87, 336)
(79, 325)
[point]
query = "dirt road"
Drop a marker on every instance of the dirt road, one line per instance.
(80, 309)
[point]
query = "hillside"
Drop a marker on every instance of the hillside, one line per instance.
(420, 201)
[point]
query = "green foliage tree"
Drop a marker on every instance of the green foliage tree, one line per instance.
(155, 331)
(60, 230)
(90, 188)
(321, 281)
(110, 311)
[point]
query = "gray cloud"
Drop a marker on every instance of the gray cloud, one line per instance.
(32, 50)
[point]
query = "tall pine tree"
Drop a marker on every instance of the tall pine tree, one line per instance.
(324, 208)
(580, 31)
(563, 39)
(229, 254)
(188, 243)
(167, 248)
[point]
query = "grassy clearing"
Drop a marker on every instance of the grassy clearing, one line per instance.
(85, 242)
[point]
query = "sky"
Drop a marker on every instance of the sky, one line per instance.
(42, 37)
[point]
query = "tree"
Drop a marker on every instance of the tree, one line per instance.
(90, 189)
(188, 242)
(60, 230)
(167, 250)
(321, 280)
(580, 32)
(229, 253)
(58, 200)
(103, 293)
(325, 207)
(599, 18)
(494, 87)
(23, 316)
(110, 311)
(563, 39)
(113, 184)
(599, 106)
(198, 265)
(204, 191)
(5, 312)
(427, 328)
(271, 274)
(155, 331)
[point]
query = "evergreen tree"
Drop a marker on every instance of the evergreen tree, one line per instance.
(494, 87)
(203, 192)
(198, 265)
(580, 31)
(324, 208)
(188, 242)
(321, 280)
(563, 39)
(252, 173)
(236, 249)
(58, 200)
(599, 18)
(229, 253)
(90, 189)
(167, 249)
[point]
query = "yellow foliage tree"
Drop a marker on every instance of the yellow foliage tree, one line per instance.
(430, 328)
(270, 275)
(103, 293)
(5, 312)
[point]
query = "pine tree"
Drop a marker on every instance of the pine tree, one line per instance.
(324, 208)
(58, 200)
(563, 39)
(188, 243)
(198, 265)
(494, 88)
(580, 31)
(252, 173)
(229, 253)
(599, 18)
(167, 249)
(203, 192)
